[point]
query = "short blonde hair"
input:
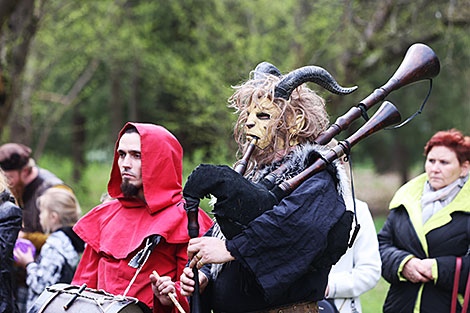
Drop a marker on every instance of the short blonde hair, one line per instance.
(63, 202)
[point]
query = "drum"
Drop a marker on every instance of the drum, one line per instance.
(55, 297)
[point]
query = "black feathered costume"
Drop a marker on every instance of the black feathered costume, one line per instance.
(285, 254)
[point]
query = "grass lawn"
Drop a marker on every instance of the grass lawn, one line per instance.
(373, 300)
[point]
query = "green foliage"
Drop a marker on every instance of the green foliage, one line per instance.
(94, 181)
(92, 185)
(173, 63)
(373, 300)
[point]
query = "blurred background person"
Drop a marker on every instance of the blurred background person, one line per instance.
(59, 211)
(105, 197)
(10, 224)
(428, 228)
(27, 182)
(358, 270)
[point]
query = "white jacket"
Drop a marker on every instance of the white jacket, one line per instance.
(359, 269)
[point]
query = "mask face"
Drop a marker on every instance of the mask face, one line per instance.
(259, 122)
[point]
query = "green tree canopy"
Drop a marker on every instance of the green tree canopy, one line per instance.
(92, 65)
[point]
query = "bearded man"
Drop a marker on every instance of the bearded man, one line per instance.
(144, 228)
(280, 260)
(27, 182)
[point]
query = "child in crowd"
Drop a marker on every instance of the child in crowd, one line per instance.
(59, 211)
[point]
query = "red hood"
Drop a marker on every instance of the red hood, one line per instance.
(162, 167)
(120, 226)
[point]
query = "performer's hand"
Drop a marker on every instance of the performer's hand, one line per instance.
(417, 271)
(161, 287)
(23, 258)
(187, 282)
(205, 250)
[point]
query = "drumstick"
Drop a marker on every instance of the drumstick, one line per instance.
(172, 296)
(75, 296)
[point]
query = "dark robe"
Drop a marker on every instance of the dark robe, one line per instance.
(284, 256)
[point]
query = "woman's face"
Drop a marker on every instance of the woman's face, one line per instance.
(443, 167)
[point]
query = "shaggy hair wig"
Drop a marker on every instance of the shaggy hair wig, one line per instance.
(304, 106)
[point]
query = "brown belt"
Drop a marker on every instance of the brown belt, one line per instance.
(304, 307)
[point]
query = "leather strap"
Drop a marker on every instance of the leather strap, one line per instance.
(455, 290)
(467, 295)
(305, 307)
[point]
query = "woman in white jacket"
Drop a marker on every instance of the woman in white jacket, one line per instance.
(359, 269)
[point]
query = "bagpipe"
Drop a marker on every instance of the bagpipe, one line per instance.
(239, 201)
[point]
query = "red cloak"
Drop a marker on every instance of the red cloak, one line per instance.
(116, 230)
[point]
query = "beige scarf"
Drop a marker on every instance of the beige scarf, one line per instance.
(432, 201)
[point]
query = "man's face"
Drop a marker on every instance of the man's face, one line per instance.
(260, 119)
(130, 163)
(13, 177)
(16, 181)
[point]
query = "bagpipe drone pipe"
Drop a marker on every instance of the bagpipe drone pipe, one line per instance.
(239, 201)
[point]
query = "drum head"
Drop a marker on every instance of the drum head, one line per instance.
(55, 297)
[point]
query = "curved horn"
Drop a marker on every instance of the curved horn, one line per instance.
(265, 68)
(313, 74)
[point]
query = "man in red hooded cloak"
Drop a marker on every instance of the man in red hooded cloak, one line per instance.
(148, 211)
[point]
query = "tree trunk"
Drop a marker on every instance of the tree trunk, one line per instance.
(79, 138)
(6, 8)
(134, 100)
(21, 118)
(15, 38)
(66, 102)
(116, 103)
(401, 160)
